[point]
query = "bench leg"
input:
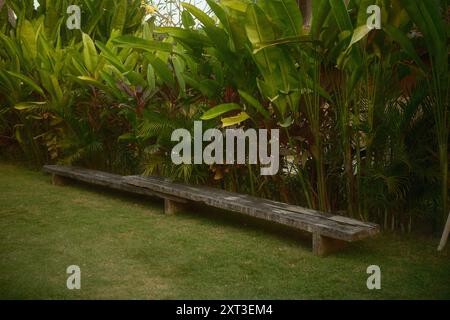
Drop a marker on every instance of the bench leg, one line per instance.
(173, 207)
(58, 180)
(323, 245)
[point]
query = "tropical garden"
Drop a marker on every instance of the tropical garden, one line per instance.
(363, 113)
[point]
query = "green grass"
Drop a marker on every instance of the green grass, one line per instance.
(127, 249)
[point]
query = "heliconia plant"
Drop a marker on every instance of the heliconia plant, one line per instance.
(363, 113)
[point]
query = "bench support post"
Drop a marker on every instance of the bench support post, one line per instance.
(58, 180)
(323, 245)
(173, 207)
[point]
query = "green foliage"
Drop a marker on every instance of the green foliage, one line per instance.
(363, 113)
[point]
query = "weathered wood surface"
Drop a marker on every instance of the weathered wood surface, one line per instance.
(322, 245)
(58, 180)
(330, 232)
(172, 207)
(332, 226)
(99, 178)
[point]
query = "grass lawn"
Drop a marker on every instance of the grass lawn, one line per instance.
(127, 249)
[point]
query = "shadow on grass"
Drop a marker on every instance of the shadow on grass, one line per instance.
(207, 215)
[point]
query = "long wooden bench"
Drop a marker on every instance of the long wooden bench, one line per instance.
(329, 232)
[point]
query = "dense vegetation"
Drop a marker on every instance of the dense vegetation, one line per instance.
(363, 114)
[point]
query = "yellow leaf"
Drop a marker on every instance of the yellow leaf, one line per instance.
(230, 121)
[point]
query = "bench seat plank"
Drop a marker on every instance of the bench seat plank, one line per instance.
(103, 179)
(332, 226)
(328, 230)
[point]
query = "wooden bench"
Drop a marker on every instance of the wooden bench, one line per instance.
(329, 232)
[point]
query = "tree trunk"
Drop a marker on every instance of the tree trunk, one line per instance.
(306, 9)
